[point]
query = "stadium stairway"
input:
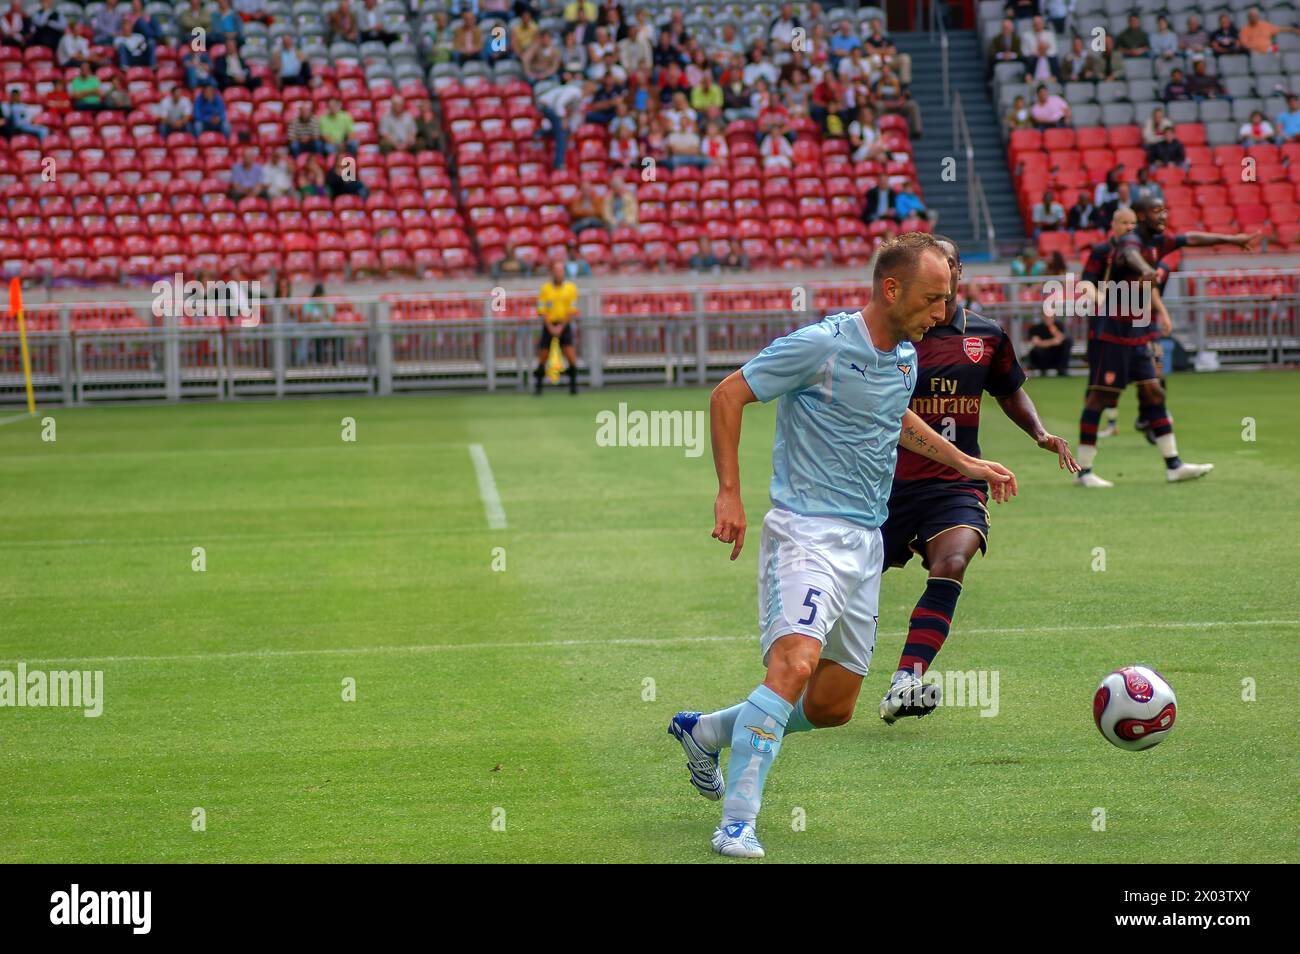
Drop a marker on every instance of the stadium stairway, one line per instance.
(949, 199)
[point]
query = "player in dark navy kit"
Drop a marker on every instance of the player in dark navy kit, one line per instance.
(1119, 353)
(933, 510)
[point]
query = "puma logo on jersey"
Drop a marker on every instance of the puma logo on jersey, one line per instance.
(861, 371)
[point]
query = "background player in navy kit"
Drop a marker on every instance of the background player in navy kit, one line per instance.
(933, 510)
(1120, 352)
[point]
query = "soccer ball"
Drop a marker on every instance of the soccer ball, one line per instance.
(1134, 708)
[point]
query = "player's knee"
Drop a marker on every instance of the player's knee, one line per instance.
(950, 566)
(828, 716)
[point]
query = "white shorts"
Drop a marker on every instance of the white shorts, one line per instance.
(820, 578)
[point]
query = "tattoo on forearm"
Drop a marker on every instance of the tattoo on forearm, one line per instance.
(919, 444)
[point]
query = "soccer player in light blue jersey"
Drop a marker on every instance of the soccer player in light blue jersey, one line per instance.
(843, 386)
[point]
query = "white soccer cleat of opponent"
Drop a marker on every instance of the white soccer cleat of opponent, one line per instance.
(908, 696)
(1187, 472)
(737, 840)
(1089, 479)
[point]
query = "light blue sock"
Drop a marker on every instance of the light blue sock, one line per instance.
(714, 729)
(755, 742)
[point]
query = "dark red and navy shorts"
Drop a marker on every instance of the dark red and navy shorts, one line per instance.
(921, 510)
(1113, 367)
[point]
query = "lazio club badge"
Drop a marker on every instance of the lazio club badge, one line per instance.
(760, 739)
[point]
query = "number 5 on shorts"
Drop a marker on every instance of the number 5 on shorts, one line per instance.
(807, 601)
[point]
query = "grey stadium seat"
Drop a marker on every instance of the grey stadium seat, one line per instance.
(1232, 66)
(1142, 90)
(1214, 111)
(1221, 134)
(1117, 114)
(1242, 108)
(1236, 86)
(1086, 114)
(1139, 68)
(1182, 111)
(1080, 93)
(1115, 91)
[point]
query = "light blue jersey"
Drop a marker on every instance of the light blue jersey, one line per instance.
(839, 418)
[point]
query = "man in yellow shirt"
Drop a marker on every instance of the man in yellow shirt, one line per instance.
(1257, 35)
(557, 304)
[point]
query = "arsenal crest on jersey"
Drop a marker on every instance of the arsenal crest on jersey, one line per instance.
(974, 348)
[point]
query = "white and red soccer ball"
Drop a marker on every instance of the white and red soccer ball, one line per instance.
(1134, 708)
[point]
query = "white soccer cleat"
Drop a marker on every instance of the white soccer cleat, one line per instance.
(737, 840)
(1188, 472)
(1091, 480)
(703, 765)
(1110, 430)
(908, 696)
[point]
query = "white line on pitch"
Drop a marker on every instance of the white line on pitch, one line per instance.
(15, 417)
(487, 488)
(631, 641)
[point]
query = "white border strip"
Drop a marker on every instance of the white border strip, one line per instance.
(632, 641)
(16, 417)
(487, 488)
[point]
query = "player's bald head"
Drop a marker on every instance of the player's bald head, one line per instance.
(902, 257)
(1124, 220)
(1146, 205)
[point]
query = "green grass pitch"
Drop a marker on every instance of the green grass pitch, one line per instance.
(521, 695)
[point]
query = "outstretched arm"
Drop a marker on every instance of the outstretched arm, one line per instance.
(1020, 408)
(1243, 240)
(920, 438)
(726, 407)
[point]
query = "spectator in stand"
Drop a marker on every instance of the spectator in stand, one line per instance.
(342, 178)
(106, 24)
(1018, 116)
(1164, 42)
(428, 131)
(131, 48)
(438, 41)
(671, 82)
(1027, 264)
(373, 30)
(14, 26)
(74, 49)
(343, 23)
(1288, 122)
(1146, 187)
(117, 97)
(1049, 347)
(524, 33)
(908, 204)
(736, 98)
(543, 59)
(706, 98)
(606, 98)
(253, 11)
(855, 67)
(231, 70)
(1075, 67)
(1177, 88)
(226, 21)
(1108, 189)
(1194, 41)
(86, 90)
(1048, 214)
(1169, 151)
(634, 53)
(1257, 35)
(467, 40)
(623, 118)
(1224, 41)
(1083, 214)
(17, 118)
(1049, 110)
(194, 17)
(1154, 128)
(559, 107)
(884, 53)
(890, 97)
(865, 139)
(310, 180)
(845, 41)
(775, 149)
(585, 210)
(780, 33)
(708, 259)
(600, 46)
(573, 57)
(715, 147)
(289, 65)
(174, 112)
(1022, 9)
(1006, 46)
(1108, 64)
(1202, 85)
(1038, 45)
(246, 176)
(1058, 13)
(146, 24)
(210, 112)
(336, 127)
(833, 125)
(624, 149)
(198, 68)
(397, 128)
(278, 175)
(303, 132)
(620, 207)
(759, 67)
(1256, 132)
(1134, 41)
(581, 10)
(880, 204)
(1123, 200)
(57, 100)
(48, 25)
